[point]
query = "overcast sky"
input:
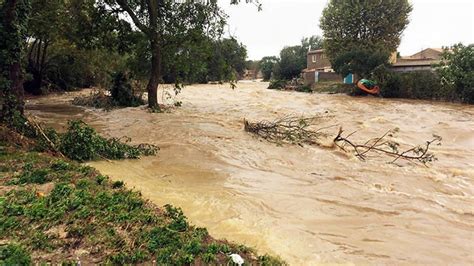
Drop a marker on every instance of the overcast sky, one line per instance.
(433, 23)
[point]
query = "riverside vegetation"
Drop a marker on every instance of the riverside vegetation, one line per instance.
(57, 210)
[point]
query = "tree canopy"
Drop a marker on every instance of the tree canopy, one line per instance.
(359, 26)
(457, 70)
(267, 64)
(293, 59)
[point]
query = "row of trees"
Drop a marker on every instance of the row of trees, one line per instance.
(62, 44)
(292, 60)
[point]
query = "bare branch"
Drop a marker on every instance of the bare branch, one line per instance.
(388, 148)
(299, 130)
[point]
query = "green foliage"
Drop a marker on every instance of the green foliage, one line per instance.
(311, 43)
(122, 92)
(304, 88)
(83, 143)
(69, 67)
(457, 71)
(73, 44)
(266, 66)
(360, 62)
(12, 254)
(227, 61)
(13, 24)
(96, 214)
(354, 28)
(413, 85)
(293, 59)
(179, 222)
(277, 84)
(267, 260)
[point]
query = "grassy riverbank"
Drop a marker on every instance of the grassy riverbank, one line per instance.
(56, 210)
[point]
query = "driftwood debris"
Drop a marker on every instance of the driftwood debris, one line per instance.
(288, 129)
(300, 130)
(382, 145)
(40, 132)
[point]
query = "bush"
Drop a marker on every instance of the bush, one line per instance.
(122, 91)
(277, 84)
(69, 67)
(304, 88)
(390, 88)
(413, 85)
(14, 255)
(83, 143)
(457, 71)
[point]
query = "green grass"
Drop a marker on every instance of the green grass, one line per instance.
(52, 207)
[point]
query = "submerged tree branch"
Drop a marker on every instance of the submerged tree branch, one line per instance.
(387, 147)
(298, 130)
(289, 129)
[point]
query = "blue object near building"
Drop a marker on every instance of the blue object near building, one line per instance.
(349, 79)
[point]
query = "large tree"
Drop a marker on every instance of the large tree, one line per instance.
(159, 19)
(14, 19)
(267, 63)
(358, 27)
(227, 61)
(293, 58)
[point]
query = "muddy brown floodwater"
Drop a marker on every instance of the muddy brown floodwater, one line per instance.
(307, 204)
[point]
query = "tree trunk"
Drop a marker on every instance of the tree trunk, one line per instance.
(152, 87)
(12, 93)
(153, 82)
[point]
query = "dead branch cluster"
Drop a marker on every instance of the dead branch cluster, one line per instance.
(300, 130)
(383, 145)
(288, 129)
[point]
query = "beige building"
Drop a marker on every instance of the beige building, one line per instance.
(421, 61)
(318, 68)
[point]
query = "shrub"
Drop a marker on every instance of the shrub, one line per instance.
(414, 85)
(122, 91)
(277, 84)
(304, 88)
(457, 71)
(82, 143)
(14, 255)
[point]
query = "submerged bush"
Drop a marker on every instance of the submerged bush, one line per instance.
(122, 94)
(85, 210)
(96, 99)
(277, 84)
(82, 143)
(122, 91)
(304, 88)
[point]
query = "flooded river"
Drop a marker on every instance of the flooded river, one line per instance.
(309, 205)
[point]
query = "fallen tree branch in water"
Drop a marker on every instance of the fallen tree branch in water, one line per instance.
(299, 130)
(288, 129)
(387, 147)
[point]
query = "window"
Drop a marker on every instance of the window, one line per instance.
(314, 58)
